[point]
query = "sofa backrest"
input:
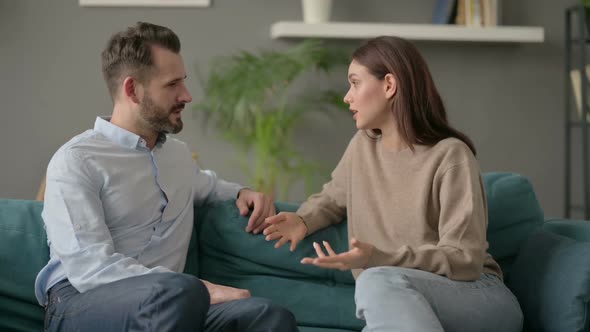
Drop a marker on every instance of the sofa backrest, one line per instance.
(513, 214)
(23, 253)
(318, 297)
(223, 252)
(230, 256)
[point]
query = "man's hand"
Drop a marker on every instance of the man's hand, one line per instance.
(220, 294)
(263, 208)
(285, 226)
(357, 257)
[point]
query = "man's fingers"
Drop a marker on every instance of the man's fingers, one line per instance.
(242, 206)
(255, 217)
(273, 209)
(260, 223)
(260, 227)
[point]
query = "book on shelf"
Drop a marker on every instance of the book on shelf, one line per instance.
(478, 13)
(445, 12)
(576, 79)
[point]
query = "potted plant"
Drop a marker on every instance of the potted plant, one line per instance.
(250, 100)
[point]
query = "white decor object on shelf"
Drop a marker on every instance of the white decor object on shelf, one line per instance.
(432, 32)
(316, 11)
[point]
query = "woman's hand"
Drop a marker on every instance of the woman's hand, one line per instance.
(356, 258)
(285, 226)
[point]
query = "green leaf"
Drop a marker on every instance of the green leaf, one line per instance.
(248, 97)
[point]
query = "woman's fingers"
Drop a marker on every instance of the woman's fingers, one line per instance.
(318, 250)
(270, 229)
(276, 219)
(282, 241)
(329, 248)
(273, 236)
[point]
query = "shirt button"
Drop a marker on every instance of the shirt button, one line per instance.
(77, 227)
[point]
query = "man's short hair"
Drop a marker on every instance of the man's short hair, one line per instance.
(128, 53)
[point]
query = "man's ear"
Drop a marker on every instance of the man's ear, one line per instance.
(130, 89)
(390, 85)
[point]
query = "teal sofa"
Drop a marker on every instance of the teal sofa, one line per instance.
(551, 283)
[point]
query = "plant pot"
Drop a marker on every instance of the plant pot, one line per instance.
(316, 11)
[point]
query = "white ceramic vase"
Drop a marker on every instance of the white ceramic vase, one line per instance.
(316, 11)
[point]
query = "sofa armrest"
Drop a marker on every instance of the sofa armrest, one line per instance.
(578, 230)
(551, 276)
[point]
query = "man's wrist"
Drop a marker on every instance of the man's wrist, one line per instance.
(240, 191)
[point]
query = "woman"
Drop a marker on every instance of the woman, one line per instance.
(411, 189)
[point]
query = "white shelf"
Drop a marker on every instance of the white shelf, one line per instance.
(509, 34)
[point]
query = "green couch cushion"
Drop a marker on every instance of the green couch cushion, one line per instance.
(23, 253)
(575, 229)
(551, 279)
(317, 297)
(513, 214)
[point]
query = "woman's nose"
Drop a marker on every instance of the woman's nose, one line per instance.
(347, 98)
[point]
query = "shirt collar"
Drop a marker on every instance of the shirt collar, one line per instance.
(122, 136)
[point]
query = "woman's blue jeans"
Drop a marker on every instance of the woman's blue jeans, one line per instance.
(401, 299)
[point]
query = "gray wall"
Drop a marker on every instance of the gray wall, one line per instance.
(507, 97)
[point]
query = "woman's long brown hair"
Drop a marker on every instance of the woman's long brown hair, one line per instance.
(417, 106)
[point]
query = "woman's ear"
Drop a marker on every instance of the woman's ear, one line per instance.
(390, 85)
(130, 89)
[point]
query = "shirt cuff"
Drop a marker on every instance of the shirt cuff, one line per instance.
(228, 190)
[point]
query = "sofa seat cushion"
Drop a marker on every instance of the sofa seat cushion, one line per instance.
(318, 297)
(23, 253)
(551, 279)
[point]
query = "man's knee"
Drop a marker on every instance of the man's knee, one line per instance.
(164, 301)
(266, 314)
(181, 297)
(185, 290)
(267, 306)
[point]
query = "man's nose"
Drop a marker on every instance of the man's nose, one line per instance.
(186, 97)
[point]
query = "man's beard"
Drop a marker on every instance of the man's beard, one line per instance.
(157, 118)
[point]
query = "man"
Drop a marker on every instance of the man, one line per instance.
(119, 210)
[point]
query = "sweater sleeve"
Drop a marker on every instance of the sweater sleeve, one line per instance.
(328, 207)
(461, 248)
